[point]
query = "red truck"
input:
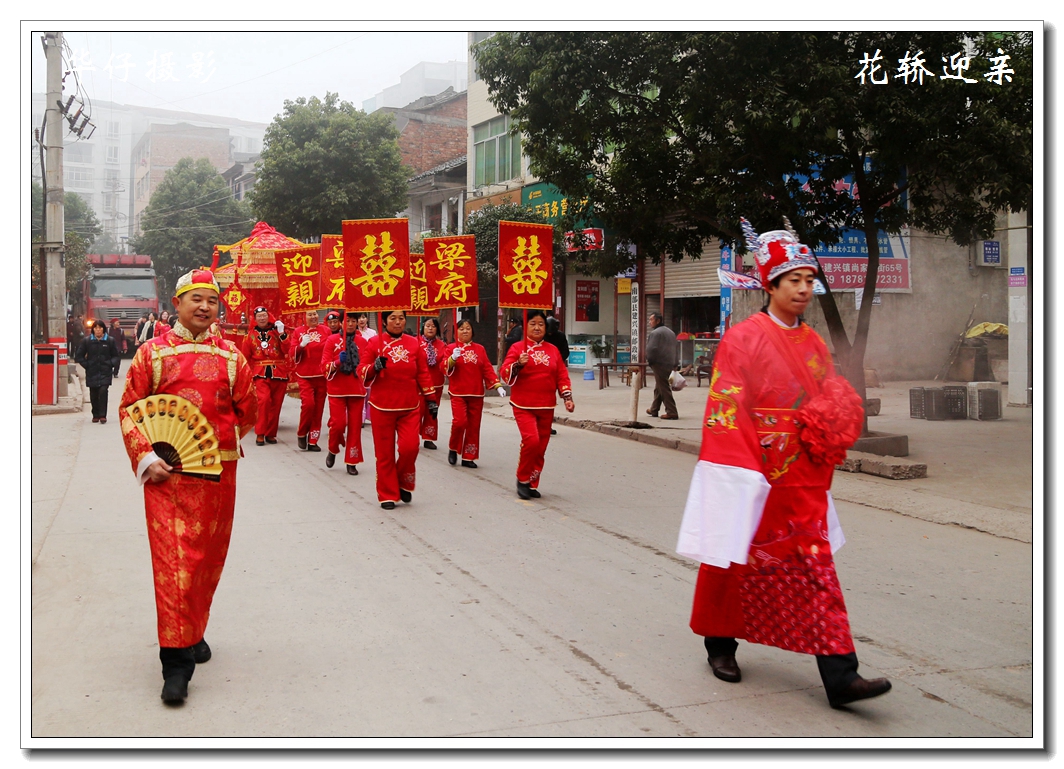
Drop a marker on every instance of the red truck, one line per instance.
(120, 286)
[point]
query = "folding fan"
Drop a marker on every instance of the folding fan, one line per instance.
(179, 434)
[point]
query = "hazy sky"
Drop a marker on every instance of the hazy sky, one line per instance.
(245, 75)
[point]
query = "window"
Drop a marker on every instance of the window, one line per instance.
(497, 155)
(112, 153)
(433, 217)
(109, 202)
(78, 178)
(77, 152)
(112, 129)
(477, 37)
(110, 178)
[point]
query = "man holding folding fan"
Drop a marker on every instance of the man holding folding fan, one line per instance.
(190, 518)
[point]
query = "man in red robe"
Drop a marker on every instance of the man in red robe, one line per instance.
(759, 515)
(306, 356)
(190, 519)
(266, 349)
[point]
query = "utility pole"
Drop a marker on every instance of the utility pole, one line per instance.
(52, 265)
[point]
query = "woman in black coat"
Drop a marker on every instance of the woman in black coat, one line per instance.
(98, 356)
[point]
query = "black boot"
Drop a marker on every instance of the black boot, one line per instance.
(452, 457)
(201, 652)
(429, 445)
(405, 495)
(524, 490)
(330, 459)
(302, 441)
(469, 463)
(178, 666)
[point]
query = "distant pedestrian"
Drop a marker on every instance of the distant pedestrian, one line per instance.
(661, 355)
(514, 331)
(147, 331)
(557, 338)
(118, 336)
(97, 355)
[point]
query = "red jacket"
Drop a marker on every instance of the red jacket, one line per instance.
(436, 373)
(535, 384)
(471, 373)
(266, 352)
(337, 383)
(307, 360)
(402, 383)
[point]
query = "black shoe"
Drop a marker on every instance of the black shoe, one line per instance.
(534, 493)
(330, 459)
(271, 440)
(524, 490)
(388, 505)
(469, 463)
(201, 652)
(260, 440)
(553, 431)
(859, 689)
(175, 690)
(452, 457)
(726, 668)
(302, 441)
(314, 447)
(429, 445)
(406, 496)
(352, 470)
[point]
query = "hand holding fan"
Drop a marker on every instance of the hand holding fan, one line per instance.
(179, 434)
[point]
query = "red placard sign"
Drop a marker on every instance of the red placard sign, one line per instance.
(526, 266)
(299, 277)
(377, 264)
(419, 290)
(451, 272)
(332, 271)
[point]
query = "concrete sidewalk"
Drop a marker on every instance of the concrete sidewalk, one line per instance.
(980, 474)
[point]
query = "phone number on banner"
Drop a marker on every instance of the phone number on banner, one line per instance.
(849, 274)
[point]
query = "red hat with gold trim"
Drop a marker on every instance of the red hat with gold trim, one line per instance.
(196, 279)
(777, 252)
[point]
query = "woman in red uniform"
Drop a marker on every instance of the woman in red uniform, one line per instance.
(468, 372)
(266, 349)
(306, 358)
(434, 355)
(535, 371)
(339, 363)
(396, 367)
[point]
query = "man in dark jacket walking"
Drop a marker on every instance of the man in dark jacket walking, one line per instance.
(98, 356)
(661, 355)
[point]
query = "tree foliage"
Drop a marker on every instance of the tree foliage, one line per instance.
(325, 161)
(190, 212)
(81, 229)
(673, 136)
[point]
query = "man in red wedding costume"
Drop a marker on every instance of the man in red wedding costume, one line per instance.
(536, 373)
(759, 515)
(468, 372)
(189, 519)
(339, 363)
(266, 349)
(309, 341)
(397, 371)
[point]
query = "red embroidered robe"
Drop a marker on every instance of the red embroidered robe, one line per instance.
(759, 515)
(189, 519)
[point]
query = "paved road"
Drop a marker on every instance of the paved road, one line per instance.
(471, 613)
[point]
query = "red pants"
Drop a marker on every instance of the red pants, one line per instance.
(346, 414)
(430, 428)
(190, 521)
(465, 426)
(392, 475)
(270, 394)
(534, 425)
(312, 399)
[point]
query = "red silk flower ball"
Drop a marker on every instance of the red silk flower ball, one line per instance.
(831, 422)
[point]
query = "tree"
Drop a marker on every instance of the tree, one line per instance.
(325, 161)
(190, 212)
(81, 229)
(674, 136)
